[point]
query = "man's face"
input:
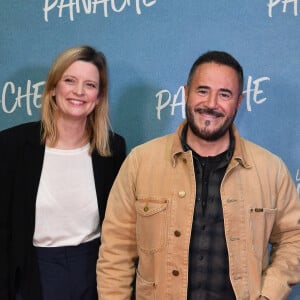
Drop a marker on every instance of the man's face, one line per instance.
(212, 100)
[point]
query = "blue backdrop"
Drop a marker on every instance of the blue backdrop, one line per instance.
(150, 46)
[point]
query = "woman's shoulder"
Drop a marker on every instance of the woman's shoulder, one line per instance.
(116, 137)
(22, 127)
(117, 143)
(21, 131)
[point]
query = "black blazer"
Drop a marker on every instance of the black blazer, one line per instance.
(21, 161)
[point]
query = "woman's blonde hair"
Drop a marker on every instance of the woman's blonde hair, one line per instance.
(98, 125)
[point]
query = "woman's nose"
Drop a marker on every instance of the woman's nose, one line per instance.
(78, 89)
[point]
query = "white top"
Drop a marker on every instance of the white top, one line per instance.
(66, 206)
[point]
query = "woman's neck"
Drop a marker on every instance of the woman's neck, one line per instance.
(71, 135)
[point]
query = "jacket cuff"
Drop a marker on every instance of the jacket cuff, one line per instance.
(273, 288)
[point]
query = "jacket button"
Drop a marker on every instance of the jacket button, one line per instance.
(146, 208)
(175, 272)
(181, 194)
(177, 233)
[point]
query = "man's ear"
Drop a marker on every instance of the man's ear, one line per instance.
(186, 92)
(240, 99)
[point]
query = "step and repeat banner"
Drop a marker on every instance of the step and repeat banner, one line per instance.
(150, 46)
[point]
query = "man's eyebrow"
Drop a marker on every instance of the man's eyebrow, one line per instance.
(206, 87)
(226, 90)
(203, 87)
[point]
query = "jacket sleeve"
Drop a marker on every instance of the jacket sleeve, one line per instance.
(6, 182)
(118, 251)
(283, 271)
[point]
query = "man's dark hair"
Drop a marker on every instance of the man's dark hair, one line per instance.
(222, 58)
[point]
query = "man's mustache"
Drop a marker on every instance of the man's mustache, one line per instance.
(209, 111)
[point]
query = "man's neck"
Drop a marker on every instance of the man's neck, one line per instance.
(208, 148)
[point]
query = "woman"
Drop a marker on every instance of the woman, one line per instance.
(55, 177)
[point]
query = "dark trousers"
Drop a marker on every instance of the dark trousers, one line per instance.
(68, 273)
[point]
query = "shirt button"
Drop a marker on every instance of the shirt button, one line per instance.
(181, 194)
(177, 233)
(175, 272)
(184, 160)
(146, 208)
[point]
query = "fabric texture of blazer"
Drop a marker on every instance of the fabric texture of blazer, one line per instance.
(21, 161)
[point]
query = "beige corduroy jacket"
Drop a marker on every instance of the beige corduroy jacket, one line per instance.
(150, 212)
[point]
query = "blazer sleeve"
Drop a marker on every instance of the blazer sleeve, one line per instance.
(118, 148)
(8, 152)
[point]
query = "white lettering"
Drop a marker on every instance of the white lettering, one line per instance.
(114, 8)
(105, 9)
(160, 106)
(298, 180)
(48, 7)
(256, 91)
(12, 91)
(167, 97)
(69, 5)
(31, 98)
(86, 6)
(149, 4)
(273, 3)
(90, 6)
(180, 94)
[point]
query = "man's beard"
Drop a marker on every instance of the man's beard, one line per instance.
(205, 133)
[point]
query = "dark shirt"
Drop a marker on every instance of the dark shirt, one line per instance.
(208, 257)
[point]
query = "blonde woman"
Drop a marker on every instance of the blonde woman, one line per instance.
(55, 178)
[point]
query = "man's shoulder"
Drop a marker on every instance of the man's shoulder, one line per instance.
(156, 144)
(259, 153)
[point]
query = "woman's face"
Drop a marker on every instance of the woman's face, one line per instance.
(77, 92)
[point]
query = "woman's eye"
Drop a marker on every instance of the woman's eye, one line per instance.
(69, 80)
(91, 85)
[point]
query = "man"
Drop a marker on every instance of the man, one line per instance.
(192, 213)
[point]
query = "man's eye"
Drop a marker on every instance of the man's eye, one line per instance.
(225, 96)
(202, 92)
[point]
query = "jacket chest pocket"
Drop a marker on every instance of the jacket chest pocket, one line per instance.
(151, 224)
(261, 224)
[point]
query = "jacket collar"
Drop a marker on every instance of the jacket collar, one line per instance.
(240, 154)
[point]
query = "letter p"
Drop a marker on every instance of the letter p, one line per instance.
(48, 7)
